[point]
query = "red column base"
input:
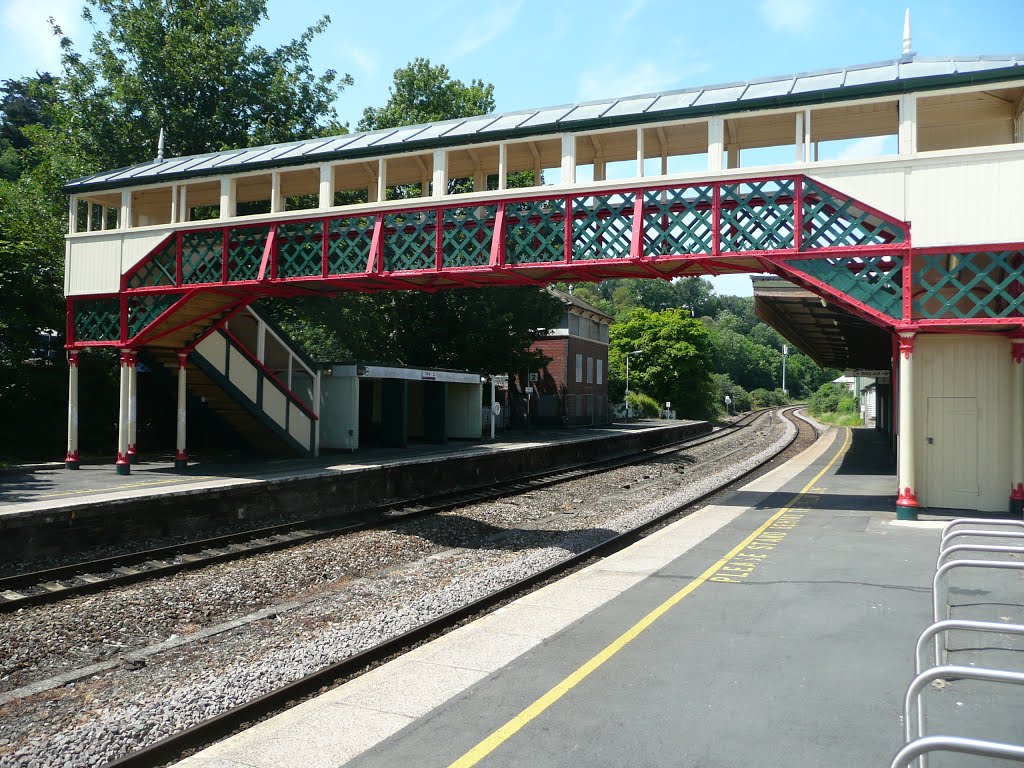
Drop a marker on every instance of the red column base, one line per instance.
(906, 505)
(1017, 501)
(71, 460)
(122, 466)
(133, 454)
(180, 460)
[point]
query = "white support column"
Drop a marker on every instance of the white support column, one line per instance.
(180, 454)
(316, 410)
(88, 216)
(122, 465)
(732, 152)
(640, 153)
(716, 143)
(73, 214)
(174, 204)
(276, 198)
(441, 173)
(906, 501)
(186, 212)
(382, 180)
(261, 341)
(1017, 427)
(801, 150)
(908, 124)
(228, 204)
(502, 165)
(807, 138)
(125, 219)
(568, 158)
(326, 186)
(71, 460)
(133, 409)
(103, 218)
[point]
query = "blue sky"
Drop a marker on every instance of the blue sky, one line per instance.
(546, 53)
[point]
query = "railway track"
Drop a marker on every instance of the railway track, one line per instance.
(210, 730)
(53, 584)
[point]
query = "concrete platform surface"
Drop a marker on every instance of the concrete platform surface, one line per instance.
(776, 629)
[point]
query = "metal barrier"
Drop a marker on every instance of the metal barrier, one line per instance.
(940, 595)
(1005, 549)
(966, 625)
(980, 521)
(973, 532)
(918, 748)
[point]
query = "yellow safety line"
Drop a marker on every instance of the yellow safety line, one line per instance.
(492, 742)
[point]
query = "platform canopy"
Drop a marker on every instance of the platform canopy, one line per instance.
(830, 335)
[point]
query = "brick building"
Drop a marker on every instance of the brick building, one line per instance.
(573, 387)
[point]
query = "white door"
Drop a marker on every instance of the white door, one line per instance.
(951, 452)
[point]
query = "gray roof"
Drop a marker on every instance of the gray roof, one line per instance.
(864, 81)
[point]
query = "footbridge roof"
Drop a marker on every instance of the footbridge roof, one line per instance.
(864, 81)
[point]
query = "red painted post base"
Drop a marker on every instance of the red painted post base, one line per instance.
(71, 461)
(906, 505)
(133, 454)
(180, 460)
(1017, 501)
(122, 465)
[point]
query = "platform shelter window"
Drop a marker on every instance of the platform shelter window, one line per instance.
(590, 370)
(600, 371)
(579, 369)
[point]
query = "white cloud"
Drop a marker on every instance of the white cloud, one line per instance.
(488, 28)
(28, 41)
(613, 80)
(364, 60)
(791, 16)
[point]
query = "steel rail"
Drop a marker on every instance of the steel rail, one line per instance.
(205, 732)
(96, 575)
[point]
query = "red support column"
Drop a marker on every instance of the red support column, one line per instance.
(1017, 427)
(180, 456)
(71, 460)
(122, 464)
(907, 499)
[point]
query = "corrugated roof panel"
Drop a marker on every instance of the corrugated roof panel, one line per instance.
(671, 101)
(768, 89)
(400, 136)
(731, 93)
(304, 149)
(820, 81)
(172, 165)
(472, 126)
(587, 112)
(508, 122)
(980, 64)
(436, 130)
(547, 116)
(925, 68)
(364, 140)
(205, 162)
(256, 153)
(634, 106)
(338, 142)
(880, 73)
(147, 169)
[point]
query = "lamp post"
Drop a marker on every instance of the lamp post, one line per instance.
(785, 354)
(629, 355)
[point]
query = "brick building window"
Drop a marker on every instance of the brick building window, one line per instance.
(590, 370)
(600, 371)
(579, 368)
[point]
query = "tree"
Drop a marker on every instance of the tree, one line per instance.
(674, 363)
(193, 70)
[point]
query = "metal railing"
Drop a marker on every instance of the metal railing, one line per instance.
(917, 747)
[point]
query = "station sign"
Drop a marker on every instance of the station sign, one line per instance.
(882, 377)
(500, 379)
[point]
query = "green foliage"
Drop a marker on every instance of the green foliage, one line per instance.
(741, 399)
(673, 364)
(833, 398)
(193, 70)
(644, 406)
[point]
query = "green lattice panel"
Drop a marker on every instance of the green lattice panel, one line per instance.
(757, 215)
(245, 252)
(158, 269)
(830, 221)
(201, 257)
(300, 249)
(143, 310)
(98, 320)
(349, 247)
(678, 221)
(875, 281)
(967, 285)
(466, 240)
(409, 240)
(602, 226)
(535, 232)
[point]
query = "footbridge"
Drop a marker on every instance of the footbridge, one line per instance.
(886, 191)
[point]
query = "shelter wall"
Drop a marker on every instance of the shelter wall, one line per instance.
(972, 374)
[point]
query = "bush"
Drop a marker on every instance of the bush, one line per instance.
(643, 405)
(724, 385)
(833, 398)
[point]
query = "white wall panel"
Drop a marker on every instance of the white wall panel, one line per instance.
(463, 417)
(976, 367)
(242, 374)
(298, 425)
(275, 405)
(213, 349)
(881, 187)
(136, 245)
(93, 265)
(339, 412)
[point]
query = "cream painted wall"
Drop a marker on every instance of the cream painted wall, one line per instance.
(464, 410)
(962, 366)
(339, 413)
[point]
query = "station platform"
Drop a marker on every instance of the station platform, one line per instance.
(51, 511)
(774, 629)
